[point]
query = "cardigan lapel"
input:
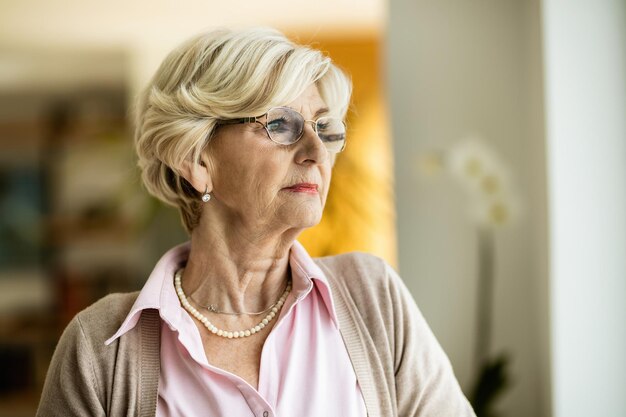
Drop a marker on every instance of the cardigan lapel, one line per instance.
(360, 349)
(150, 367)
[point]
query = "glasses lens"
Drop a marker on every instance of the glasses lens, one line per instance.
(284, 125)
(332, 132)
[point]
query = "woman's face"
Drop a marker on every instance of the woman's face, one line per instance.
(261, 184)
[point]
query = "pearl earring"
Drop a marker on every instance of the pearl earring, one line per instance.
(206, 196)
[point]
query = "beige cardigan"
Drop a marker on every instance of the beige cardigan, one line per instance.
(400, 366)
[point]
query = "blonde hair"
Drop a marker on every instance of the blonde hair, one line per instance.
(220, 74)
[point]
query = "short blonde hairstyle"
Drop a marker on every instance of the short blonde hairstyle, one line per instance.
(220, 74)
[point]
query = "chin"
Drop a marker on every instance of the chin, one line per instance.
(310, 222)
(305, 221)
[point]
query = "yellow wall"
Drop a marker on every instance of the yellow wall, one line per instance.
(360, 213)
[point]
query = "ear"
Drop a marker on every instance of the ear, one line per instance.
(197, 174)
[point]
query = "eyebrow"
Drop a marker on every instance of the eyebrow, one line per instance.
(321, 111)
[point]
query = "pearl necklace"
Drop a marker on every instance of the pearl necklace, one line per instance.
(224, 333)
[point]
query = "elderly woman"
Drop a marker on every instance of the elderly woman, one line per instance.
(240, 131)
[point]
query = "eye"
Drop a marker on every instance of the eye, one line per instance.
(323, 126)
(338, 137)
(330, 125)
(277, 125)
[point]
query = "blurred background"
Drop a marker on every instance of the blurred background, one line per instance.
(486, 162)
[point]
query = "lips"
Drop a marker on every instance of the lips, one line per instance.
(304, 188)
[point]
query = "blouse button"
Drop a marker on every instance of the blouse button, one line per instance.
(265, 414)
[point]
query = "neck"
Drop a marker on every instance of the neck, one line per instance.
(235, 268)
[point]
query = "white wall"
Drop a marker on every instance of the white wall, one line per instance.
(457, 68)
(585, 70)
(143, 31)
(121, 23)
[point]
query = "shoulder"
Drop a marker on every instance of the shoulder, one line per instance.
(364, 264)
(82, 370)
(113, 305)
(367, 286)
(370, 288)
(358, 271)
(100, 320)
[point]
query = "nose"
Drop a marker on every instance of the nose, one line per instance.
(312, 149)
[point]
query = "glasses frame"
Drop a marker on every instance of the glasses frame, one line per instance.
(255, 119)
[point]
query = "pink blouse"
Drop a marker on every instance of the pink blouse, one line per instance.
(305, 368)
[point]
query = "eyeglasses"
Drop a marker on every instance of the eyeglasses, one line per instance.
(285, 126)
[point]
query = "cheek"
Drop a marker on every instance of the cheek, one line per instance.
(326, 176)
(327, 171)
(254, 177)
